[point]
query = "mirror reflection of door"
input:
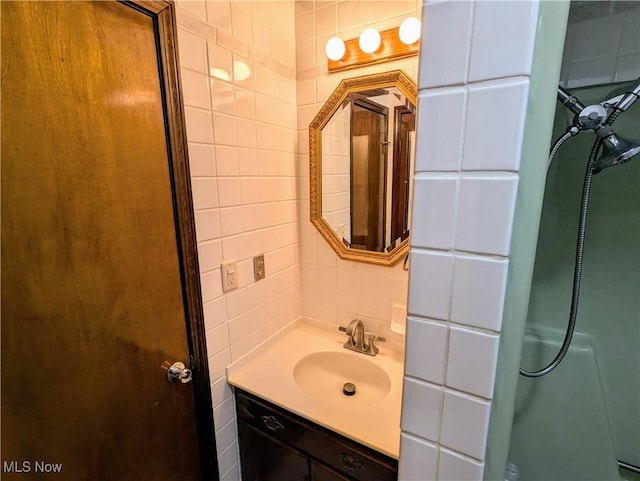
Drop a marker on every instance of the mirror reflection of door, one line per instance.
(369, 124)
(405, 125)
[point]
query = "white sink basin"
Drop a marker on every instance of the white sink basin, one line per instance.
(305, 371)
(322, 375)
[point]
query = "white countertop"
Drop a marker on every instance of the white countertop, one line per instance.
(270, 376)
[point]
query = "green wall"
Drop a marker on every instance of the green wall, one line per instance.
(573, 423)
(547, 57)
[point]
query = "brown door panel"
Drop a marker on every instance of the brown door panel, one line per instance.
(92, 288)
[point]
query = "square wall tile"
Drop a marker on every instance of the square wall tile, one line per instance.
(195, 89)
(472, 360)
(485, 213)
(419, 459)
(426, 347)
(430, 280)
(205, 193)
(207, 224)
(434, 204)
(229, 193)
(444, 43)
(220, 62)
(225, 130)
(465, 423)
(456, 467)
(192, 50)
(219, 14)
(503, 38)
(199, 125)
(225, 436)
(421, 408)
(482, 150)
(440, 123)
(479, 285)
(201, 160)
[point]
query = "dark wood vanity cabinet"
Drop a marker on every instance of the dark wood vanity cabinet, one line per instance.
(276, 445)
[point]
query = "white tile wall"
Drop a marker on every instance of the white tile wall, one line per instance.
(445, 44)
(444, 150)
(485, 213)
(242, 179)
(432, 338)
(495, 107)
(435, 199)
(430, 281)
(503, 38)
(471, 362)
(475, 61)
(465, 420)
(456, 467)
(335, 291)
(422, 408)
(419, 449)
(478, 286)
(250, 140)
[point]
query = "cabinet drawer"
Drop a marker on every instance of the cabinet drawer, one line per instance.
(342, 454)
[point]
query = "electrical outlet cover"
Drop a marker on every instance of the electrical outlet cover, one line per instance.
(229, 272)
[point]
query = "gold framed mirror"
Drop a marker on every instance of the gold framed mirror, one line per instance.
(361, 159)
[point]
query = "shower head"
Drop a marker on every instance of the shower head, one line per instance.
(616, 151)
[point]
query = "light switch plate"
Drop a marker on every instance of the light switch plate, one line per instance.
(258, 267)
(229, 276)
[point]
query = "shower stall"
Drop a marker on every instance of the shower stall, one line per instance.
(581, 419)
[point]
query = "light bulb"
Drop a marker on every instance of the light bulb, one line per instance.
(409, 31)
(369, 40)
(335, 48)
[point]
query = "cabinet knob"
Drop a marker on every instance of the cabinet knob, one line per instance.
(272, 423)
(349, 463)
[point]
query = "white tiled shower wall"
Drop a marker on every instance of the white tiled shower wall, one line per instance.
(475, 63)
(335, 291)
(238, 78)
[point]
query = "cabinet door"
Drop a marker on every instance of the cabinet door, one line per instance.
(323, 473)
(263, 458)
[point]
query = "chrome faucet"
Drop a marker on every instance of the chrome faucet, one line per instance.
(356, 341)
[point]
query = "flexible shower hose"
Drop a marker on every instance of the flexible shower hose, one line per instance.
(582, 228)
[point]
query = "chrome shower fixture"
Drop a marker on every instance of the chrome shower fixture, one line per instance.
(616, 150)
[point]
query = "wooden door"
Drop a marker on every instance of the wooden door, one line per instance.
(99, 269)
(369, 123)
(405, 123)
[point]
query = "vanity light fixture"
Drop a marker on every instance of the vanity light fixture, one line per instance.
(374, 47)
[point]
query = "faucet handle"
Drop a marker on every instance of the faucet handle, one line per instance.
(370, 347)
(375, 337)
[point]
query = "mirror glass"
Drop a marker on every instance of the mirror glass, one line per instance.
(363, 149)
